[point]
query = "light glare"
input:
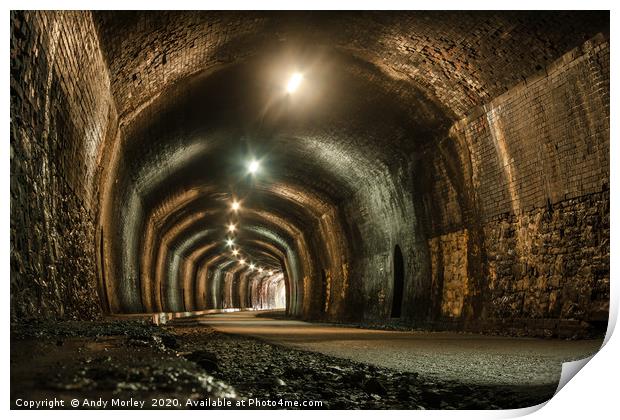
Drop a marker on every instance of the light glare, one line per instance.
(294, 82)
(235, 205)
(253, 167)
(231, 227)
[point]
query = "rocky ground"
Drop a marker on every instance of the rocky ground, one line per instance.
(193, 367)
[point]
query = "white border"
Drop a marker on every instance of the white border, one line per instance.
(592, 394)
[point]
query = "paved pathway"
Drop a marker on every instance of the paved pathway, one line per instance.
(469, 358)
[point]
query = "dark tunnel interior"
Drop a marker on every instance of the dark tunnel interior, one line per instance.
(439, 170)
(407, 175)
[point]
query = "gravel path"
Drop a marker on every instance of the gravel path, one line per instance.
(277, 374)
(273, 363)
(466, 358)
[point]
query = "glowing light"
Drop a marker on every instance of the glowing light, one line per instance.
(235, 252)
(235, 205)
(260, 269)
(294, 82)
(271, 272)
(241, 261)
(252, 266)
(231, 227)
(253, 166)
(230, 242)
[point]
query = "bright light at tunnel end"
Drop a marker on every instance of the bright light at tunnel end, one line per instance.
(294, 82)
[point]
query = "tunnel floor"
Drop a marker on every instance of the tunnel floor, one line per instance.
(260, 360)
(467, 358)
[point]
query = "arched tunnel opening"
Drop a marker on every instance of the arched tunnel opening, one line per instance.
(399, 282)
(183, 183)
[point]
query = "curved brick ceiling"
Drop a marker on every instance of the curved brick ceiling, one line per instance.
(184, 160)
(201, 94)
(456, 163)
(462, 59)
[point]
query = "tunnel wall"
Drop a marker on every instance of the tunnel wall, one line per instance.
(506, 218)
(380, 216)
(60, 111)
(539, 170)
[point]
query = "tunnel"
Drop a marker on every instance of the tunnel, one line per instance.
(431, 170)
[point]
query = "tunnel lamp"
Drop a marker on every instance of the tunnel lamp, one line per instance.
(253, 166)
(252, 266)
(231, 227)
(241, 261)
(235, 252)
(260, 269)
(294, 82)
(230, 242)
(271, 272)
(235, 205)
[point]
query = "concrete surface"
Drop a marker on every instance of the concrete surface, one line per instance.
(468, 358)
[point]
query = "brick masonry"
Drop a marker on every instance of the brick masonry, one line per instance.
(60, 110)
(462, 58)
(540, 171)
(503, 217)
(551, 263)
(449, 272)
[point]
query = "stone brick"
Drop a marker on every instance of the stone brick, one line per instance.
(60, 107)
(476, 143)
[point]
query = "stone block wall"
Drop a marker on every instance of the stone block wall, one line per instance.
(540, 180)
(551, 263)
(508, 217)
(60, 110)
(451, 285)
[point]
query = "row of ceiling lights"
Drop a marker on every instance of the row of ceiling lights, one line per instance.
(232, 228)
(253, 167)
